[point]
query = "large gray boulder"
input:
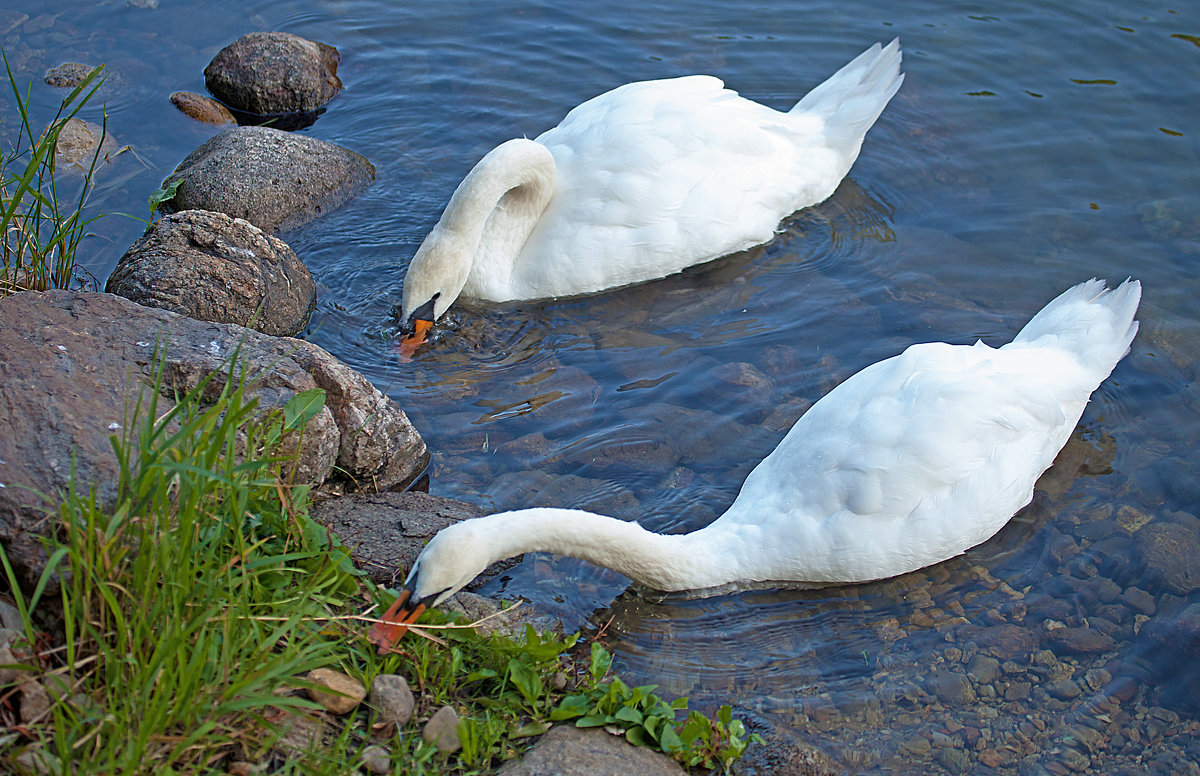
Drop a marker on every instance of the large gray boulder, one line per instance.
(74, 363)
(268, 73)
(213, 267)
(273, 179)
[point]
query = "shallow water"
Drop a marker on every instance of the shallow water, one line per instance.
(1030, 148)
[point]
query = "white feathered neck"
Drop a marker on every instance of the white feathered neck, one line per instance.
(660, 561)
(485, 224)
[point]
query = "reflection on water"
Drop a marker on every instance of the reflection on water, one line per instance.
(1029, 149)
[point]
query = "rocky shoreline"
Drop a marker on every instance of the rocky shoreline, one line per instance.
(208, 279)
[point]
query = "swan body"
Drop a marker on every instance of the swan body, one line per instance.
(641, 182)
(909, 462)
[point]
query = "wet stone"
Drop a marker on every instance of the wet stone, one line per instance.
(80, 142)
(268, 73)
(201, 108)
(953, 760)
(1017, 691)
(1131, 519)
(212, 267)
(1006, 642)
(1063, 689)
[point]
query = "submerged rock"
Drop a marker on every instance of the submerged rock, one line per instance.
(80, 143)
(1170, 554)
(212, 267)
(273, 179)
(68, 75)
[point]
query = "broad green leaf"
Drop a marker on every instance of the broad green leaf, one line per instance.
(629, 714)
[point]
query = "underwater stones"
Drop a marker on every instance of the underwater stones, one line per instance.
(1080, 640)
(984, 669)
(1170, 554)
(79, 143)
(67, 75)
(950, 687)
(269, 73)
(212, 267)
(1003, 642)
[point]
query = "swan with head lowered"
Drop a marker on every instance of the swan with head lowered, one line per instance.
(909, 462)
(640, 183)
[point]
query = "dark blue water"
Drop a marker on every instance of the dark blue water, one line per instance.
(1030, 148)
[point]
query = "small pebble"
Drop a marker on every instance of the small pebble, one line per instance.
(442, 730)
(392, 699)
(341, 694)
(377, 760)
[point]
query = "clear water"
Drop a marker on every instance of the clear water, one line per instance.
(1032, 146)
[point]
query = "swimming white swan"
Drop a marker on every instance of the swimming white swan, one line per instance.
(911, 461)
(639, 183)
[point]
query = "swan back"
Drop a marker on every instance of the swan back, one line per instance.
(656, 176)
(921, 456)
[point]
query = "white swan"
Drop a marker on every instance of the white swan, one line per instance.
(639, 183)
(911, 461)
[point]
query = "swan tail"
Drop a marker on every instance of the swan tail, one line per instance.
(1090, 321)
(852, 98)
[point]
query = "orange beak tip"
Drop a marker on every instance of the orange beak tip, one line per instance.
(395, 623)
(408, 346)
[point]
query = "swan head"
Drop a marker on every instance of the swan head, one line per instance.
(454, 557)
(479, 235)
(434, 280)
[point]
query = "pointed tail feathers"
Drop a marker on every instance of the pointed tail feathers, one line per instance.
(1090, 321)
(852, 98)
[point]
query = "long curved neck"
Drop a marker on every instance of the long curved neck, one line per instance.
(660, 561)
(497, 205)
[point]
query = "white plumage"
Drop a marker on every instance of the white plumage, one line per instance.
(641, 182)
(909, 462)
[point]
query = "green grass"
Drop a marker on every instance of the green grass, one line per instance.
(196, 603)
(41, 232)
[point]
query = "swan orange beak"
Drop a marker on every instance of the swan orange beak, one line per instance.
(395, 623)
(420, 332)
